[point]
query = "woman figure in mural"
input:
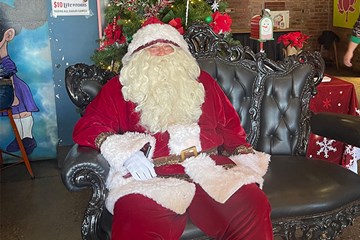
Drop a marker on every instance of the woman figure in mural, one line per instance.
(23, 104)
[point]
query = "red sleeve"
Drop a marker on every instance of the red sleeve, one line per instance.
(228, 121)
(103, 114)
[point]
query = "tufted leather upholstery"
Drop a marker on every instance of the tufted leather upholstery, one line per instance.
(280, 111)
(237, 83)
(85, 83)
(313, 197)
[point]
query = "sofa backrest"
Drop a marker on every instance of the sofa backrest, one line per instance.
(83, 83)
(271, 98)
(284, 111)
(237, 83)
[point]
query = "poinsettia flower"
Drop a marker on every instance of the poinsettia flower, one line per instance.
(221, 22)
(113, 34)
(176, 23)
(151, 20)
(108, 30)
(294, 39)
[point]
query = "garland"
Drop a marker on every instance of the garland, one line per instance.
(124, 17)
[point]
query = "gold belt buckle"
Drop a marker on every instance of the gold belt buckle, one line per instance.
(188, 152)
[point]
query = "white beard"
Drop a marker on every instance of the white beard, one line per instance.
(165, 89)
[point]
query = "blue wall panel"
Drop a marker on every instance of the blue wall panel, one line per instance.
(73, 40)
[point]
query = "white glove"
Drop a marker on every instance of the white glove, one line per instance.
(140, 167)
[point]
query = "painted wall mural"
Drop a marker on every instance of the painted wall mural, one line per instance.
(25, 57)
(346, 13)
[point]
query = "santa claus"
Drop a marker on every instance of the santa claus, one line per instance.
(175, 147)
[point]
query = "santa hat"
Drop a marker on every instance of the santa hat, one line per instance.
(152, 34)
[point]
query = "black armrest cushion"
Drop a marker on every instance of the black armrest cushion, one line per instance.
(341, 127)
(82, 163)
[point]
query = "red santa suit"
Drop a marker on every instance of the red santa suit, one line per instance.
(218, 126)
(224, 203)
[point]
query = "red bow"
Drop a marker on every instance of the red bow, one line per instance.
(176, 23)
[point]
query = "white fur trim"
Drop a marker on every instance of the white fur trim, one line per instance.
(171, 193)
(119, 147)
(219, 183)
(259, 162)
(184, 136)
(153, 32)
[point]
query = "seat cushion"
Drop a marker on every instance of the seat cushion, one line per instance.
(297, 186)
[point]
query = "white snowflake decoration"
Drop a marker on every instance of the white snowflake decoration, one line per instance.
(354, 152)
(349, 150)
(215, 6)
(326, 147)
(357, 110)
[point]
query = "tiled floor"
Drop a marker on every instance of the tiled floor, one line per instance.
(42, 209)
(39, 209)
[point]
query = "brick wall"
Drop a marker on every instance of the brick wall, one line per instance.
(309, 16)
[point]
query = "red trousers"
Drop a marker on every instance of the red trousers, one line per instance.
(245, 215)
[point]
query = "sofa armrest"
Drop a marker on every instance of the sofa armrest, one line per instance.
(341, 127)
(84, 167)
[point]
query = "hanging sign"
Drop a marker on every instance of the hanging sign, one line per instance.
(70, 8)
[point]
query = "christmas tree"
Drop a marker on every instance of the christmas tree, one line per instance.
(124, 17)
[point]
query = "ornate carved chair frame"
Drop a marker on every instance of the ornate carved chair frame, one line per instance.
(310, 199)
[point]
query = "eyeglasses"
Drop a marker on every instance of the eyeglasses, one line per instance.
(160, 49)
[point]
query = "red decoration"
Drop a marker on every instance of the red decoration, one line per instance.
(176, 23)
(294, 39)
(337, 96)
(151, 20)
(113, 34)
(221, 22)
(255, 27)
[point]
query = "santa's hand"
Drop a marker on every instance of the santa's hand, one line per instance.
(140, 167)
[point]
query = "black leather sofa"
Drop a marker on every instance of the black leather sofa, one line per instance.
(310, 199)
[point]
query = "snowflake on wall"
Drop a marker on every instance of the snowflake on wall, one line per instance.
(325, 147)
